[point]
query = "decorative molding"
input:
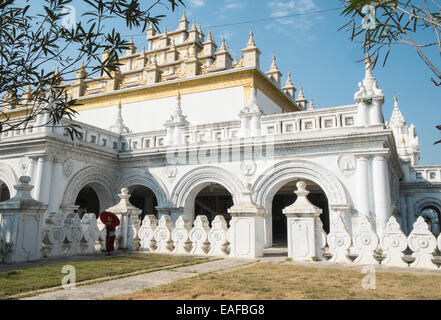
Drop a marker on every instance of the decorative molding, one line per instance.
(347, 165)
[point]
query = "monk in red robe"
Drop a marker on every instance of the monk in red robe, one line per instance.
(110, 235)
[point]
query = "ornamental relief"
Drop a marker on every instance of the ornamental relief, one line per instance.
(248, 168)
(68, 168)
(347, 165)
(23, 165)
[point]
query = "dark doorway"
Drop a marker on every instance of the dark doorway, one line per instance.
(4, 192)
(286, 197)
(88, 202)
(144, 199)
(213, 201)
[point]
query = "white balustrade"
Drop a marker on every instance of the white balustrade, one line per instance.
(218, 237)
(180, 236)
(199, 236)
(163, 235)
(147, 233)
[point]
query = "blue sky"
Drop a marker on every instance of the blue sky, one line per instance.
(320, 57)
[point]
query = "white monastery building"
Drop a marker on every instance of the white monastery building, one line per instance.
(216, 156)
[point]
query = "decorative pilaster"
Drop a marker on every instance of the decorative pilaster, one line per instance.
(382, 195)
(21, 223)
(363, 192)
(306, 237)
(246, 234)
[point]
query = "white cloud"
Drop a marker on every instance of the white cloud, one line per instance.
(280, 9)
(197, 3)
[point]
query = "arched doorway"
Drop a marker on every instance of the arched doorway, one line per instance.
(144, 199)
(284, 197)
(212, 201)
(4, 192)
(432, 216)
(88, 201)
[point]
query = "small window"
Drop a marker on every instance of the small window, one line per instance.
(123, 146)
(329, 123)
(218, 135)
(134, 145)
(289, 128)
(419, 175)
(308, 125)
(432, 175)
(92, 139)
(160, 142)
(146, 143)
(349, 121)
(104, 142)
(115, 145)
(271, 130)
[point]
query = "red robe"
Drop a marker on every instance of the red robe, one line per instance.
(110, 238)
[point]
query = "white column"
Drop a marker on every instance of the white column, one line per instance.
(363, 186)
(362, 114)
(45, 189)
(38, 178)
(376, 112)
(53, 194)
(382, 196)
(31, 173)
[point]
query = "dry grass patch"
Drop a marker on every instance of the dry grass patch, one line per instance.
(18, 281)
(267, 281)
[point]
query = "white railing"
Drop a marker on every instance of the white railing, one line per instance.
(278, 124)
(310, 120)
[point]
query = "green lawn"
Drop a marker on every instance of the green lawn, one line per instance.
(267, 281)
(18, 281)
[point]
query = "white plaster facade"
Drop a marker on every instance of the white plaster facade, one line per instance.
(237, 138)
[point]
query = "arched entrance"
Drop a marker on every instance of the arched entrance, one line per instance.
(212, 201)
(285, 197)
(88, 201)
(432, 216)
(4, 192)
(191, 184)
(144, 199)
(282, 173)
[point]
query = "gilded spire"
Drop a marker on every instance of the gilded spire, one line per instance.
(223, 46)
(251, 42)
(289, 81)
(311, 105)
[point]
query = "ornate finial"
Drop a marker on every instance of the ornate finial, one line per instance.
(251, 42)
(193, 27)
(311, 105)
(184, 17)
(367, 60)
(395, 99)
(209, 37)
(223, 47)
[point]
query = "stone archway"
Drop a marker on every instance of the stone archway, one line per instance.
(141, 178)
(102, 182)
(8, 178)
(191, 184)
(430, 210)
(280, 174)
